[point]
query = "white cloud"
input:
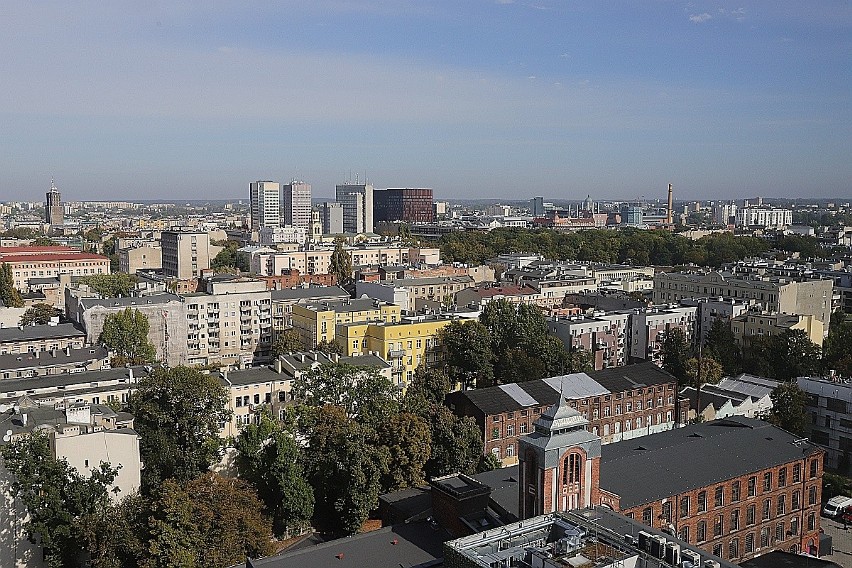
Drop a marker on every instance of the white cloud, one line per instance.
(699, 18)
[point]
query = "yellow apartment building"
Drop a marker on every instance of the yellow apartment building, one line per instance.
(405, 345)
(316, 322)
(751, 324)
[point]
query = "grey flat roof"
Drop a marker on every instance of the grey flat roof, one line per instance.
(309, 293)
(33, 332)
(651, 468)
(67, 379)
(357, 305)
(129, 301)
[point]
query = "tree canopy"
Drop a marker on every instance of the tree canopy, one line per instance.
(111, 285)
(57, 497)
(9, 295)
(178, 415)
(788, 407)
(39, 314)
(341, 262)
(126, 334)
(287, 341)
(362, 392)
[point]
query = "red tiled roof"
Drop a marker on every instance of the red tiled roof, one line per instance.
(66, 256)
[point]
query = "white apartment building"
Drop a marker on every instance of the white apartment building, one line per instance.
(318, 261)
(230, 323)
(265, 199)
(649, 327)
(763, 217)
(285, 234)
(185, 254)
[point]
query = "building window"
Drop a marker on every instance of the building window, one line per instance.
(684, 534)
(510, 430)
(735, 520)
(702, 501)
(794, 526)
(752, 486)
(779, 532)
(750, 511)
(735, 491)
(701, 531)
(646, 516)
(781, 506)
(814, 466)
(718, 526)
(684, 506)
(797, 472)
(734, 548)
(767, 481)
(571, 469)
(523, 427)
(812, 495)
(749, 543)
(764, 537)
(811, 521)
(782, 477)
(666, 515)
(794, 501)
(718, 498)
(495, 433)
(767, 509)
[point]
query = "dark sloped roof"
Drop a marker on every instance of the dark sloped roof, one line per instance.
(32, 332)
(650, 468)
(14, 361)
(618, 379)
(413, 544)
(67, 379)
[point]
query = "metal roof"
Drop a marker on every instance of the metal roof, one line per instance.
(518, 394)
(576, 385)
(651, 468)
(33, 332)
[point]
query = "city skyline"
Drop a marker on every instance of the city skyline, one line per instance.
(476, 100)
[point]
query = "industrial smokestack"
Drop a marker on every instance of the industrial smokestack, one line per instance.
(669, 211)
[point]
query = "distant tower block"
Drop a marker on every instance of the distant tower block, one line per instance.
(669, 211)
(53, 213)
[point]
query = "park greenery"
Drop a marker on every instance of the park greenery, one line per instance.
(630, 246)
(228, 260)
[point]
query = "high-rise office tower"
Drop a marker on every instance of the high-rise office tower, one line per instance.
(332, 218)
(53, 206)
(408, 205)
(296, 204)
(265, 204)
(351, 223)
(537, 206)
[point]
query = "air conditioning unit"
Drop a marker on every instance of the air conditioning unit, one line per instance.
(673, 553)
(691, 559)
(644, 541)
(630, 539)
(711, 564)
(658, 546)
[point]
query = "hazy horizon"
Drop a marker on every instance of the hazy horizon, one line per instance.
(483, 99)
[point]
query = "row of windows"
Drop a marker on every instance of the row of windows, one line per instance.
(764, 537)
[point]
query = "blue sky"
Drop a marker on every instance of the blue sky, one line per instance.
(486, 99)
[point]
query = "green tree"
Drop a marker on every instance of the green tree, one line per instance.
(178, 415)
(115, 536)
(271, 460)
(838, 345)
(39, 314)
(468, 355)
(488, 462)
(721, 345)
(287, 341)
(362, 392)
(43, 241)
(341, 262)
(710, 371)
(56, 496)
(675, 352)
(405, 441)
(788, 407)
(9, 295)
(344, 470)
(211, 521)
(115, 285)
(126, 334)
(794, 355)
(456, 443)
(331, 347)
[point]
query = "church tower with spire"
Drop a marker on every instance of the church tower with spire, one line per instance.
(559, 463)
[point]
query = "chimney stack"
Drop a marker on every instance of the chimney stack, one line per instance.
(669, 211)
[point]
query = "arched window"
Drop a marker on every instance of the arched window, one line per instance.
(571, 469)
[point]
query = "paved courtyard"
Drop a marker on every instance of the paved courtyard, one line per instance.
(842, 542)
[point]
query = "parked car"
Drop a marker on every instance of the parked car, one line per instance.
(836, 505)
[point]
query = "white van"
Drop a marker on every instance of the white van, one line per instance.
(835, 506)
